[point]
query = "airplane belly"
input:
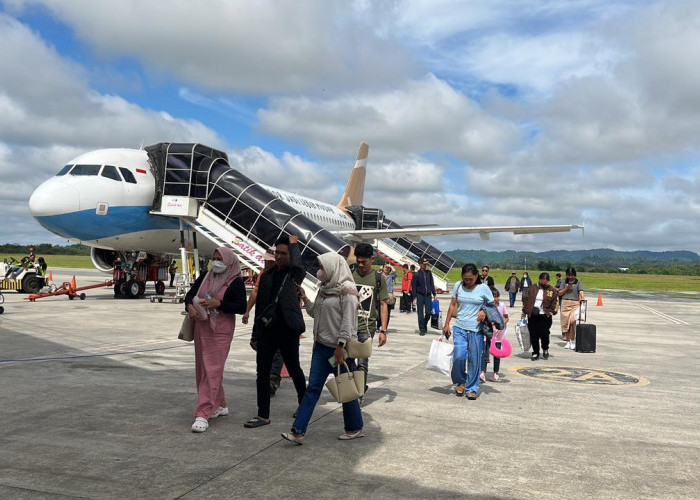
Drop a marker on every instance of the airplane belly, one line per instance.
(156, 241)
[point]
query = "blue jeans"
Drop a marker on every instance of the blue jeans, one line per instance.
(424, 303)
(468, 351)
(512, 296)
(320, 369)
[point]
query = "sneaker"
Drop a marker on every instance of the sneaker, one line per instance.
(200, 424)
(222, 411)
(573, 345)
(567, 345)
(535, 356)
(545, 354)
(352, 435)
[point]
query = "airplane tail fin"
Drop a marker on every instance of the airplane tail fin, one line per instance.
(355, 189)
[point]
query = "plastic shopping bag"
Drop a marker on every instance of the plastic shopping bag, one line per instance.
(523, 334)
(440, 357)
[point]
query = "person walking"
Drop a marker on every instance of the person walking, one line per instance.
(485, 278)
(389, 274)
(512, 286)
(525, 284)
(372, 296)
(212, 302)
(423, 288)
(406, 299)
(335, 321)
(540, 305)
(571, 293)
(498, 336)
(468, 297)
(278, 324)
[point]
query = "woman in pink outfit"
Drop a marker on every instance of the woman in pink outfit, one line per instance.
(212, 302)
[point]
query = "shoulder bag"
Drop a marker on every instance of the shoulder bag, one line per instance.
(268, 314)
(187, 329)
(357, 349)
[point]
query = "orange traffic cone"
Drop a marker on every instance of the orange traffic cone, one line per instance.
(600, 299)
(73, 285)
(284, 373)
(50, 275)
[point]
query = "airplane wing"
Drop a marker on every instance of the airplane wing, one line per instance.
(419, 232)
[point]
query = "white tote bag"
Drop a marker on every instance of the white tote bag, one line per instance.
(523, 335)
(440, 357)
(347, 386)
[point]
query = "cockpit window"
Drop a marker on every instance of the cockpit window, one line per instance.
(85, 170)
(128, 176)
(64, 170)
(111, 173)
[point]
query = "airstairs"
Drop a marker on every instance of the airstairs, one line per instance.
(196, 185)
(404, 250)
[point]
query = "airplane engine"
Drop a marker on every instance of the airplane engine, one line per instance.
(103, 259)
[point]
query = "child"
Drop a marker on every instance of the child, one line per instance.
(498, 335)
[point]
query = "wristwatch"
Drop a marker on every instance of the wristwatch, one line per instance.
(382, 331)
(341, 343)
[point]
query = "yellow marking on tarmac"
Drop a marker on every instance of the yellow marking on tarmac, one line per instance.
(578, 376)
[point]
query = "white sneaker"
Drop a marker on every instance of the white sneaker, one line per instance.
(568, 345)
(222, 411)
(200, 424)
(573, 345)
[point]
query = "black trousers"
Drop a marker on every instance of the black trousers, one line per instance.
(288, 344)
(539, 325)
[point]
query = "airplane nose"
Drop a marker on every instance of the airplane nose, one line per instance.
(54, 198)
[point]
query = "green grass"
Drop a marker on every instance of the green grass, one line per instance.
(608, 281)
(80, 261)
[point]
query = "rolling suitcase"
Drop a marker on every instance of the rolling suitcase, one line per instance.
(585, 332)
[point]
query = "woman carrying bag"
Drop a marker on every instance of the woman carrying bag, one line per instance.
(335, 321)
(212, 303)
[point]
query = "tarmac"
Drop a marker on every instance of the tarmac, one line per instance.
(98, 396)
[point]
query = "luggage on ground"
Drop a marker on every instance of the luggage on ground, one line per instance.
(585, 332)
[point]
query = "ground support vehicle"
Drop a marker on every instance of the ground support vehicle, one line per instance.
(68, 288)
(30, 279)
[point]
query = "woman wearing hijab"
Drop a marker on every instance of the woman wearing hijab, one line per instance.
(335, 321)
(212, 302)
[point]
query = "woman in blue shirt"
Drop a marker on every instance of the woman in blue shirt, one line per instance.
(468, 297)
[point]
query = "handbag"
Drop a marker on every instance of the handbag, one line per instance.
(359, 350)
(440, 357)
(348, 386)
(186, 329)
(391, 300)
(523, 335)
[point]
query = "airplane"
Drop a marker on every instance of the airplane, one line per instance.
(136, 208)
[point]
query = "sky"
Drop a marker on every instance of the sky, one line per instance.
(476, 113)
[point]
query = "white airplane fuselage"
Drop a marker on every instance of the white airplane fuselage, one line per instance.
(103, 199)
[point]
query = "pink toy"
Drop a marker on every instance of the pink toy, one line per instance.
(503, 352)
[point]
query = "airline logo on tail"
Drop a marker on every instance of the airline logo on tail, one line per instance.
(355, 190)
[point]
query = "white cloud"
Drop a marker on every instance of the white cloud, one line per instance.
(255, 46)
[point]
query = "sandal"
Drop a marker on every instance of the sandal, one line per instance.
(294, 438)
(255, 422)
(459, 390)
(200, 424)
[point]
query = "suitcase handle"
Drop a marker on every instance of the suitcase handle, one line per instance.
(582, 311)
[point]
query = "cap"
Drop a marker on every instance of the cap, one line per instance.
(423, 261)
(513, 272)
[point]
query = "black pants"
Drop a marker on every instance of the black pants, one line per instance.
(288, 344)
(539, 325)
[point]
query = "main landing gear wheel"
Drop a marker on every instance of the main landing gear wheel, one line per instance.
(132, 289)
(118, 292)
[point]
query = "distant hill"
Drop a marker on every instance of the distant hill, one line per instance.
(598, 259)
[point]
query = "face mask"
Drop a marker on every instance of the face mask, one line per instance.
(218, 267)
(322, 276)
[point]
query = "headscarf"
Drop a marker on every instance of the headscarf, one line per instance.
(340, 281)
(214, 282)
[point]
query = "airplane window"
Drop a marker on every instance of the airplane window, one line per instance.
(64, 170)
(85, 170)
(111, 173)
(128, 176)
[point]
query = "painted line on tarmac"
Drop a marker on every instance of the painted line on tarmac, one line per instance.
(83, 356)
(665, 316)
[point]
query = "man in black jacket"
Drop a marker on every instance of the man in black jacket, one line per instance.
(278, 324)
(423, 287)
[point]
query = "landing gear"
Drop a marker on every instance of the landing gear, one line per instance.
(132, 288)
